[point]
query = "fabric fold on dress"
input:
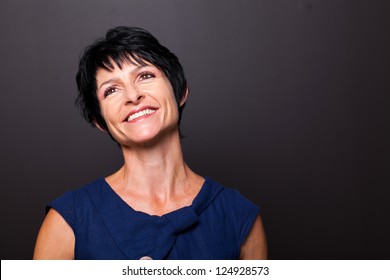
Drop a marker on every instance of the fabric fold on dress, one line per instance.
(147, 235)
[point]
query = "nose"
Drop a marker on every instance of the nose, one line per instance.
(133, 95)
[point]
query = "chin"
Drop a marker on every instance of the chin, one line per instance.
(151, 138)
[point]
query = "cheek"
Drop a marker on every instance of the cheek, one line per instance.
(108, 110)
(171, 106)
(170, 99)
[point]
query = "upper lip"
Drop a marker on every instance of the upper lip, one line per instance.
(138, 110)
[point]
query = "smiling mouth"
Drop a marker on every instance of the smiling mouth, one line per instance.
(140, 114)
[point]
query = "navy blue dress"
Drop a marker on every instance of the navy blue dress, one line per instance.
(106, 227)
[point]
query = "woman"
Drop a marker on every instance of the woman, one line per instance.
(155, 206)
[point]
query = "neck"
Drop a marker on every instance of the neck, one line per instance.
(154, 170)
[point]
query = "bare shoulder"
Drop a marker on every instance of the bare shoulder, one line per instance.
(55, 239)
(255, 245)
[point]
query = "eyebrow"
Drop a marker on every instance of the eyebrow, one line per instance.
(117, 79)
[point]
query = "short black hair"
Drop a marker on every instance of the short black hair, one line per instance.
(122, 44)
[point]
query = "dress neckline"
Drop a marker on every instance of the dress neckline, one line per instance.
(139, 234)
(199, 197)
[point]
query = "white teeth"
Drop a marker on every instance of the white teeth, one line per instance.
(140, 114)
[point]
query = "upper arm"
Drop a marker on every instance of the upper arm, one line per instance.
(255, 245)
(55, 240)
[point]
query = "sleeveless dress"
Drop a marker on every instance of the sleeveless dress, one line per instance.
(106, 227)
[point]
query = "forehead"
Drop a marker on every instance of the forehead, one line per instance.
(129, 65)
(118, 62)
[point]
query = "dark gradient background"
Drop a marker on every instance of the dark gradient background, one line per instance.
(289, 103)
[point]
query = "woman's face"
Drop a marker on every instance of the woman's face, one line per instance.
(137, 103)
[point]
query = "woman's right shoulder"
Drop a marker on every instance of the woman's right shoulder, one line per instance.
(55, 239)
(81, 192)
(73, 202)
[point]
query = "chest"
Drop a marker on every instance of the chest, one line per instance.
(208, 236)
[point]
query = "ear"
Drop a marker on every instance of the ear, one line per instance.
(184, 98)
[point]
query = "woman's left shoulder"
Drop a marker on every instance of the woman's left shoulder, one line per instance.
(244, 219)
(233, 197)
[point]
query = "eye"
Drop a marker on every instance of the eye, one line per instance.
(109, 91)
(146, 75)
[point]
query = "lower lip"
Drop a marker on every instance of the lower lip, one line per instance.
(141, 118)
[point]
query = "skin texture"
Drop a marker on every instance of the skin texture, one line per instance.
(55, 239)
(255, 245)
(154, 178)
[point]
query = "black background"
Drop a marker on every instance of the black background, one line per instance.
(288, 103)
